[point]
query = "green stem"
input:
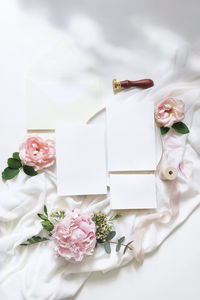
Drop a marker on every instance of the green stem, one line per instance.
(130, 248)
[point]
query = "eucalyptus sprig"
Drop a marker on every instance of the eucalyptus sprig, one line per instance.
(105, 232)
(118, 244)
(14, 166)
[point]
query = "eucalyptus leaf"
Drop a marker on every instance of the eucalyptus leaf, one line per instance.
(126, 247)
(180, 127)
(16, 156)
(118, 246)
(107, 247)
(29, 170)
(14, 163)
(110, 236)
(121, 239)
(164, 130)
(9, 173)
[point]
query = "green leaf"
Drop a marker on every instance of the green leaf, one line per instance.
(35, 239)
(16, 156)
(46, 222)
(43, 217)
(110, 236)
(45, 210)
(29, 170)
(9, 173)
(121, 239)
(126, 247)
(107, 247)
(47, 225)
(14, 163)
(118, 246)
(180, 127)
(164, 130)
(115, 217)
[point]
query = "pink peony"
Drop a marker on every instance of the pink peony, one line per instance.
(169, 111)
(37, 152)
(74, 236)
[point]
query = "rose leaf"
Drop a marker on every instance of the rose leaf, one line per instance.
(180, 127)
(14, 163)
(9, 173)
(164, 130)
(16, 155)
(29, 170)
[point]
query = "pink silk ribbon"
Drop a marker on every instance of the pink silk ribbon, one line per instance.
(163, 217)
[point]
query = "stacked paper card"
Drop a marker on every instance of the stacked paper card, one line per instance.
(131, 154)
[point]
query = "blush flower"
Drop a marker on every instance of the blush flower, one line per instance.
(74, 236)
(37, 152)
(169, 111)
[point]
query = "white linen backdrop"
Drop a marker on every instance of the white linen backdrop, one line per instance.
(34, 272)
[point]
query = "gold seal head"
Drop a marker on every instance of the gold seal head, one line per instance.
(116, 85)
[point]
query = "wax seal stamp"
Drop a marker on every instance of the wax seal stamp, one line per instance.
(126, 84)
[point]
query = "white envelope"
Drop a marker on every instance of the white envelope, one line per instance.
(131, 136)
(62, 89)
(81, 162)
(132, 191)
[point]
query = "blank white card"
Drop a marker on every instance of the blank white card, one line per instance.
(132, 191)
(81, 164)
(131, 136)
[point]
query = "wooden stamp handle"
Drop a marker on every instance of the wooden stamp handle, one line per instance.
(143, 84)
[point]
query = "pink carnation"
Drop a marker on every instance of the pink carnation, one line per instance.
(74, 236)
(37, 152)
(169, 111)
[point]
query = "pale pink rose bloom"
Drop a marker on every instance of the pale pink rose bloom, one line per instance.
(169, 111)
(37, 152)
(74, 236)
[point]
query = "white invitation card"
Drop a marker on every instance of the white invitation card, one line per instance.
(131, 136)
(132, 191)
(81, 162)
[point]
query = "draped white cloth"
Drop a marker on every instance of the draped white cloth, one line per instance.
(34, 272)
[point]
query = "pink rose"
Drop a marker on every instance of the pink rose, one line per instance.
(169, 111)
(74, 236)
(37, 152)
